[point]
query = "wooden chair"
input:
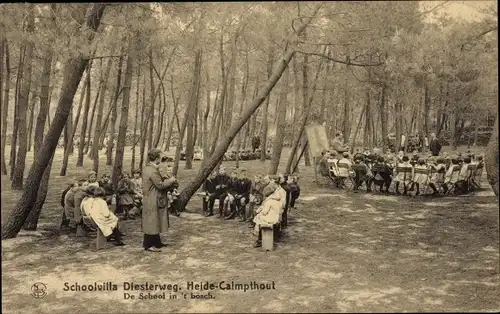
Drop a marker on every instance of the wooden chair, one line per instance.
(478, 175)
(471, 173)
(407, 174)
(345, 179)
(452, 182)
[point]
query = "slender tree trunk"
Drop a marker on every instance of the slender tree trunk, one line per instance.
(358, 127)
(346, 130)
(89, 141)
(15, 126)
(205, 117)
(98, 131)
(265, 111)
(137, 95)
(122, 130)
(152, 100)
(189, 116)
(280, 125)
(491, 159)
(5, 104)
(172, 119)
(244, 87)
(31, 118)
(72, 74)
(114, 112)
(144, 125)
(383, 117)
(18, 177)
(83, 129)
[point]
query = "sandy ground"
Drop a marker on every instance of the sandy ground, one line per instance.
(342, 252)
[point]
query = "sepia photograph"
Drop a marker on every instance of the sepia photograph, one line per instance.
(249, 157)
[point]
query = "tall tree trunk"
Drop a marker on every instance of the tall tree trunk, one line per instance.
(189, 116)
(17, 179)
(144, 125)
(98, 131)
(31, 118)
(136, 117)
(88, 136)
(72, 74)
(250, 125)
(161, 112)
(346, 130)
(15, 126)
(83, 129)
(491, 159)
(244, 87)
(205, 116)
(72, 130)
(172, 119)
(122, 130)
(453, 124)
(280, 125)
(152, 100)
(383, 117)
(114, 112)
(265, 111)
(31, 222)
(5, 104)
(358, 126)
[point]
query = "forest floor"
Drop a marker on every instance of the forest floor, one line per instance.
(342, 252)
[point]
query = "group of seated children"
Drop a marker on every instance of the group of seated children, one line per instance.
(125, 200)
(445, 175)
(261, 201)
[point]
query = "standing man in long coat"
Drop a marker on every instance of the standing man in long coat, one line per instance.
(154, 202)
(435, 145)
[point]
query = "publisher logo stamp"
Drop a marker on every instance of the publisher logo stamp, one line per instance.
(38, 290)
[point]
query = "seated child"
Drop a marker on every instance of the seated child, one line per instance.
(343, 169)
(210, 195)
(256, 196)
(269, 212)
(106, 184)
(92, 179)
(95, 207)
(294, 190)
(438, 171)
(242, 196)
(230, 200)
(382, 174)
(125, 197)
(65, 221)
(404, 175)
(463, 176)
(451, 176)
(420, 176)
(362, 174)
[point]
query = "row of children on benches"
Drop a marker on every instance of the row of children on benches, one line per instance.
(240, 196)
(457, 175)
(124, 201)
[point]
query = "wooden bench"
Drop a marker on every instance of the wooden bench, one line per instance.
(202, 195)
(267, 237)
(101, 240)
